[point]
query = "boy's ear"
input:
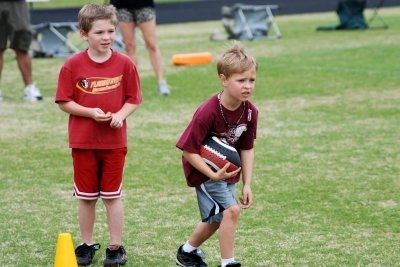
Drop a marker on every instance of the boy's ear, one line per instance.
(83, 34)
(222, 79)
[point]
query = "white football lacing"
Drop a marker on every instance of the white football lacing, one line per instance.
(215, 152)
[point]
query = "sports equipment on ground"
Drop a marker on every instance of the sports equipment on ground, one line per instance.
(192, 58)
(216, 153)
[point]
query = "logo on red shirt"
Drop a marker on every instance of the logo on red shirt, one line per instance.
(99, 85)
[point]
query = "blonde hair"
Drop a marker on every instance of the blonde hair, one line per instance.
(92, 12)
(235, 60)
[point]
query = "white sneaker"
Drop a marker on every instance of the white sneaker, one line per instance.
(32, 93)
(163, 88)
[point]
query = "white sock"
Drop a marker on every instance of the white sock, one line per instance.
(187, 247)
(224, 262)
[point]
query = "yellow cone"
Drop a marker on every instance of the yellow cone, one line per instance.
(65, 254)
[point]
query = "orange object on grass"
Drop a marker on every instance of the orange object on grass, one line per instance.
(192, 58)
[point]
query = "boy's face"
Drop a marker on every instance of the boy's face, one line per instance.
(100, 37)
(239, 86)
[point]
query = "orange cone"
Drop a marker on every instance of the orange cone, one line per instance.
(65, 254)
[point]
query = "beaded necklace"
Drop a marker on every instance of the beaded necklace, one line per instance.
(223, 116)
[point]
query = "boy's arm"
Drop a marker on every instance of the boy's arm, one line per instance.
(197, 162)
(74, 108)
(117, 119)
(247, 158)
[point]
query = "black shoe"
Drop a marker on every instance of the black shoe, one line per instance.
(232, 264)
(84, 253)
(115, 257)
(191, 259)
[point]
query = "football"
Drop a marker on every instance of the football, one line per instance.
(216, 153)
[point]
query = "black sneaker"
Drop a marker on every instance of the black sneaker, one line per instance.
(232, 264)
(192, 259)
(84, 253)
(115, 257)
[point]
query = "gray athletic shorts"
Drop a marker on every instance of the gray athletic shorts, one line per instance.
(136, 16)
(15, 25)
(213, 198)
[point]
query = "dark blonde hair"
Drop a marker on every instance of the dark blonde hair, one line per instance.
(92, 12)
(235, 60)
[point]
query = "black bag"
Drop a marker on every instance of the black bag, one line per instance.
(351, 14)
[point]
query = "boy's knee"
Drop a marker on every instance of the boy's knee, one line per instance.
(232, 212)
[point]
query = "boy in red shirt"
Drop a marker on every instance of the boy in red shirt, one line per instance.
(99, 88)
(228, 115)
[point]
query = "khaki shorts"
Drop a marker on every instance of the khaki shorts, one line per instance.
(15, 26)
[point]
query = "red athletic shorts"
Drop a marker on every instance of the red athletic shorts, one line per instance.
(98, 172)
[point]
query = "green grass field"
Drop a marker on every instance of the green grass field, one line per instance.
(326, 178)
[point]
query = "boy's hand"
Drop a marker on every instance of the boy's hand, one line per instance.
(117, 121)
(247, 198)
(98, 115)
(222, 174)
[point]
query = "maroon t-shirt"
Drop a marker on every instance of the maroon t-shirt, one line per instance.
(208, 121)
(108, 86)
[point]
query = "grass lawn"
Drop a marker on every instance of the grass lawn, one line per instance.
(326, 178)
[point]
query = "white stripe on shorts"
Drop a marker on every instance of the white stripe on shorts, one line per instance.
(208, 195)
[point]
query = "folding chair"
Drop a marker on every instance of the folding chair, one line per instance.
(51, 40)
(375, 15)
(250, 22)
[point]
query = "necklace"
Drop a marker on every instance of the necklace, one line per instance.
(223, 116)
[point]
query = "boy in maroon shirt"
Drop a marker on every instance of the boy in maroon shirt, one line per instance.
(99, 88)
(228, 115)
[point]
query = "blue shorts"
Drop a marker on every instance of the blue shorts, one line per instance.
(213, 198)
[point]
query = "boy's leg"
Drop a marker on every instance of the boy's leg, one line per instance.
(115, 216)
(202, 232)
(227, 231)
(217, 203)
(87, 216)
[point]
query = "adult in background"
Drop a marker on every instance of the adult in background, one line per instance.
(15, 28)
(141, 13)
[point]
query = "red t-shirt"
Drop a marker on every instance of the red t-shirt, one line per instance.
(108, 86)
(207, 121)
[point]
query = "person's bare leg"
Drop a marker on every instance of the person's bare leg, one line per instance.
(115, 216)
(227, 231)
(148, 30)
(202, 232)
(25, 66)
(87, 217)
(128, 35)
